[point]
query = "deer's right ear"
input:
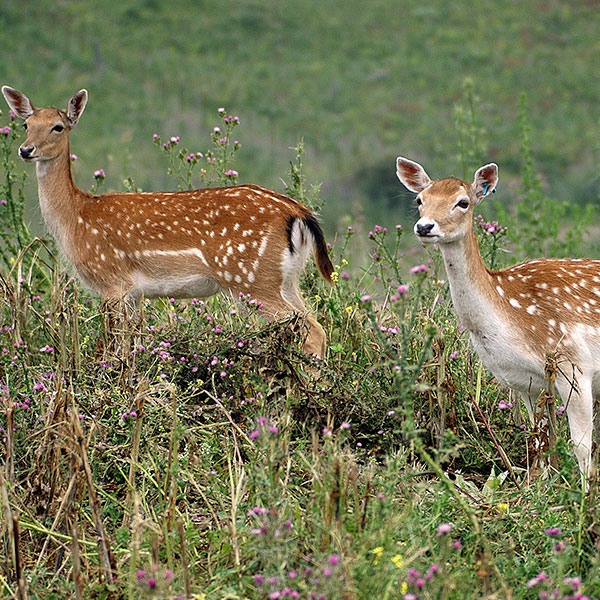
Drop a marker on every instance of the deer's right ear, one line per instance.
(76, 106)
(19, 103)
(412, 175)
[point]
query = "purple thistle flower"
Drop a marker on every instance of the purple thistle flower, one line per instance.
(418, 269)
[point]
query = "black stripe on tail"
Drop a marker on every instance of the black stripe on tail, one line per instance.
(321, 255)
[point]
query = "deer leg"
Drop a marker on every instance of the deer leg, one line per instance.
(314, 339)
(580, 403)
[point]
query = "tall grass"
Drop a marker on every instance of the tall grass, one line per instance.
(208, 461)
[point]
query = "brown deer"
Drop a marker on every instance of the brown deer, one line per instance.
(521, 316)
(241, 239)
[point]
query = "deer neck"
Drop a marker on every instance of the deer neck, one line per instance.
(473, 296)
(60, 200)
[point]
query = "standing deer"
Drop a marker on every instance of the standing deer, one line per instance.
(519, 316)
(242, 239)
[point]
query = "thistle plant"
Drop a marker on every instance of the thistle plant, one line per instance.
(214, 166)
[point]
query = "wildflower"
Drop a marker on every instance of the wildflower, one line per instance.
(74, 157)
(502, 405)
(345, 425)
(444, 528)
(552, 531)
(327, 572)
(151, 583)
(378, 551)
(140, 574)
(231, 173)
(326, 432)
(99, 174)
(254, 434)
(334, 559)
(418, 269)
(540, 577)
(453, 355)
(560, 546)
(365, 298)
(258, 579)
(397, 560)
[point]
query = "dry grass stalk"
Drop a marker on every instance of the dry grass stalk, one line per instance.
(184, 560)
(104, 551)
(140, 401)
(75, 554)
(9, 467)
(12, 529)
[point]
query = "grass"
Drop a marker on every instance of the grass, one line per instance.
(360, 84)
(195, 455)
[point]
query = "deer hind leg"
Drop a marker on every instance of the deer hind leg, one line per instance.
(579, 401)
(314, 336)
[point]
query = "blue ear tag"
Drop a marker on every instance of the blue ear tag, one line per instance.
(485, 189)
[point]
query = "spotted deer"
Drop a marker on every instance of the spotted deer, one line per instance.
(520, 316)
(243, 239)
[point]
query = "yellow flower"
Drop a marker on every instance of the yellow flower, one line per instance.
(404, 587)
(349, 309)
(344, 261)
(397, 560)
(502, 507)
(335, 277)
(377, 552)
(317, 298)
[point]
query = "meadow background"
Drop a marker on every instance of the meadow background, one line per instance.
(209, 461)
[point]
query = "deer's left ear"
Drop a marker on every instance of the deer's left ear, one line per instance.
(412, 175)
(485, 182)
(76, 106)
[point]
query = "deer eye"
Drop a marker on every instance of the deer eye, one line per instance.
(58, 128)
(419, 202)
(463, 203)
(25, 126)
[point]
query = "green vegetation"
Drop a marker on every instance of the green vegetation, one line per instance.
(200, 455)
(360, 83)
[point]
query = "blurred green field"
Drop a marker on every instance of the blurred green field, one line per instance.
(360, 82)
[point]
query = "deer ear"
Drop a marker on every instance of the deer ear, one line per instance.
(76, 106)
(19, 103)
(485, 182)
(412, 175)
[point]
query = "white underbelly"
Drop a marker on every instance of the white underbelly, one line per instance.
(191, 286)
(514, 368)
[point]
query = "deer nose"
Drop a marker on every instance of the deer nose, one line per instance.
(424, 229)
(26, 152)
